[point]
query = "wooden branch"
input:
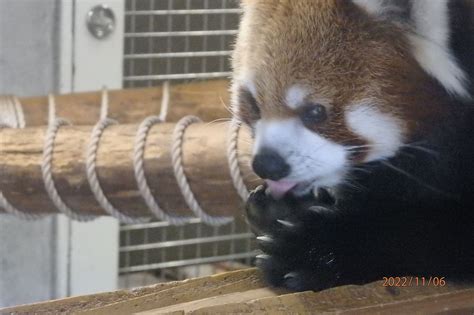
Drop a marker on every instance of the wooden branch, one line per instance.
(206, 99)
(204, 159)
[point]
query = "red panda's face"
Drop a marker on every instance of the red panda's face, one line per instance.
(326, 87)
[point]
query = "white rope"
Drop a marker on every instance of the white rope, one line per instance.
(177, 160)
(11, 116)
(91, 158)
(10, 209)
(104, 103)
(46, 170)
(51, 109)
(54, 124)
(145, 191)
(11, 112)
(232, 158)
(165, 101)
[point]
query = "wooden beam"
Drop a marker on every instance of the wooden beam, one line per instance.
(206, 99)
(204, 159)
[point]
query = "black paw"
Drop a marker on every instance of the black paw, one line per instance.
(297, 237)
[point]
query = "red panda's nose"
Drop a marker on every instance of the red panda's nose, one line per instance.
(268, 164)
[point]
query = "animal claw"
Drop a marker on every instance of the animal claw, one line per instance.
(290, 275)
(262, 256)
(318, 209)
(264, 239)
(286, 223)
(325, 194)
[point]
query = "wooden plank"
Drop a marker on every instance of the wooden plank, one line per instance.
(79, 303)
(371, 297)
(243, 292)
(206, 99)
(204, 159)
(458, 302)
(203, 288)
(102, 301)
(235, 297)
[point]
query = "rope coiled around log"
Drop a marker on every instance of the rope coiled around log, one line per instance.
(232, 158)
(177, 159)
(11, 116)
(55, 123)
(142, 183)
(91, 158)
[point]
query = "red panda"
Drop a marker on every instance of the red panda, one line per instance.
(363, 125)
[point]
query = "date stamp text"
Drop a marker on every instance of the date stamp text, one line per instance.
(414, 281)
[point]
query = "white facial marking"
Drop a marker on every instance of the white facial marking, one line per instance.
(373, 7)
(382, 131)
(246, 80)
(376, 7)
(251, 87)
(313, 160)
(295, 96)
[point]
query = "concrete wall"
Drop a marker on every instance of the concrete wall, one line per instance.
(56, 257)
(28, 52)
(28, 63)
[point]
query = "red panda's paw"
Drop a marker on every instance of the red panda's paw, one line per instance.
(297, 275)
(296, 238)
(265, 214)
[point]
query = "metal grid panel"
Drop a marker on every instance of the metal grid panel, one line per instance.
(179, 40)
(158, 251)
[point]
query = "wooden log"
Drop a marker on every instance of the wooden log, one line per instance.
(204, 159)
(206, 99)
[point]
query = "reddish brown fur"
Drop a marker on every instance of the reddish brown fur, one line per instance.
(342, 54)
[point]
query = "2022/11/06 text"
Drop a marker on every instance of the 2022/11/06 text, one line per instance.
(414, 281)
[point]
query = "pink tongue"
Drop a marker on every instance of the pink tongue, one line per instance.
(280, 188)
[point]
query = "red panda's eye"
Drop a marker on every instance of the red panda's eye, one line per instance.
(313, 114)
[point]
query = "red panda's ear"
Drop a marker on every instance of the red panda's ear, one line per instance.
(428, 28)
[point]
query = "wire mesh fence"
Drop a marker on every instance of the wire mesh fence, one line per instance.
(158, 251)
(179, 40)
